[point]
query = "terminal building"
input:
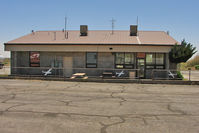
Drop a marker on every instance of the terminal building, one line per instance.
(93, 52)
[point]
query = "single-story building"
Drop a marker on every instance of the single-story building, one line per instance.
(91, 52)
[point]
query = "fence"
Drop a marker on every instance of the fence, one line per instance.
(168, 74)
(154, 74)
(68, 72)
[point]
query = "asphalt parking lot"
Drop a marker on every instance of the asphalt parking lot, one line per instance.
(77, 107)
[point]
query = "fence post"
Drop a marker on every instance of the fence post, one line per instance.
(189, 74)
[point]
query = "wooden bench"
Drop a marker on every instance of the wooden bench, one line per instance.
(108, 75)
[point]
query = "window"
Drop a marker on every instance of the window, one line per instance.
(159, 59)
(150, 59)
(34, 59)
(124, 60)
(91, 60)
(155, 61)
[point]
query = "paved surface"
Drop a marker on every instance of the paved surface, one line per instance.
(72, 107)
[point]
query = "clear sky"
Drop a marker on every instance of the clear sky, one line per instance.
(19, 17)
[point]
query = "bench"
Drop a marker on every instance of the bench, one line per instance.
(107, 74)
(79, 75)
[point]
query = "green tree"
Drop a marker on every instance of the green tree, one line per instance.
(181, 53)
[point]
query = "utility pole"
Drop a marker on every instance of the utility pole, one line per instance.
(113, 25)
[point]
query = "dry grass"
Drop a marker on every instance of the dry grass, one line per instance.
(193, 62)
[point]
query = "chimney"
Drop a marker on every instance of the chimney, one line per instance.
(83, 30)
(133, 30)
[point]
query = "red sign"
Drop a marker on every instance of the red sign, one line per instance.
(141, 55)
(34, 59)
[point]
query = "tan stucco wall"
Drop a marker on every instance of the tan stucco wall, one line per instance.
(85, 48)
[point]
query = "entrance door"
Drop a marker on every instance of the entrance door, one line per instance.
(68, 65)
(141, 67)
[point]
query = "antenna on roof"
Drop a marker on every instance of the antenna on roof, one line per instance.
(55, 35)
(65, 35)
(137, 25)
(113, 25)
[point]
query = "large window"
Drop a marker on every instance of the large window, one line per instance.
(160, 61)
(34, 59)
(150, 61)
(155, 61)
(124, 60)
(91, 60)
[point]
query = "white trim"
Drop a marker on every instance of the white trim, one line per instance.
(139, 42)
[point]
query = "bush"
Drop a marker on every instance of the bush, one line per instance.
(197, 67)
(179, 75)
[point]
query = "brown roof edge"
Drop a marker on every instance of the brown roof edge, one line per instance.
(86, 44)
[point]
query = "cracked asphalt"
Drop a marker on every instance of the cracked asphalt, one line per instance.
(77, 107)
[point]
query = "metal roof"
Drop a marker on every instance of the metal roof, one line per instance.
(96, 37)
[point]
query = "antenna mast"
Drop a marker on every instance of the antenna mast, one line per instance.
(66, 37)
(137, 25)
(113, 25)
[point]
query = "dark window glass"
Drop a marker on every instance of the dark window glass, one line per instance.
(91, 60)
(150, 67)
(129, 58)
(159, 67)
(155, 61)
(119, 58)
(124, 60)
(150, 59)
(159, 59)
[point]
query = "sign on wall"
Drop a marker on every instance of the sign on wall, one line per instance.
(140, 55)
(34, 59)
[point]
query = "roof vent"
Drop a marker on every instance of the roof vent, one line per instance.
(133, 30)
(33, 32)
(83, 30)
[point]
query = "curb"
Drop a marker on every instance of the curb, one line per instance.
(137, 81)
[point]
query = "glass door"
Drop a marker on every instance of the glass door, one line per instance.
(141, 67)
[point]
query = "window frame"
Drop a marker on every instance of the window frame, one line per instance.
(92, 63)
(155, 65)
(124, 64)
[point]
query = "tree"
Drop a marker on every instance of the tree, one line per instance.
(181, 53)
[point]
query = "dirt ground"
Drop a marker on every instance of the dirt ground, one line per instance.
(77, 107)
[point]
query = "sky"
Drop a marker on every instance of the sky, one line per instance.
(19, 17)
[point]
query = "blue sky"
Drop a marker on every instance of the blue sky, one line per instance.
(179, 17)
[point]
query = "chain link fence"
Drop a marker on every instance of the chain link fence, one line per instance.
(156, 74)
(77, 72)
(168, 74)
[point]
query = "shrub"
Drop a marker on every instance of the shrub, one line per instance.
(197, 67)
(179, 75)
